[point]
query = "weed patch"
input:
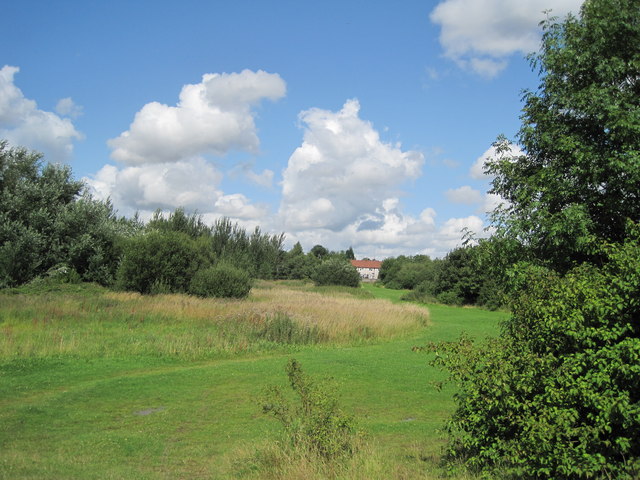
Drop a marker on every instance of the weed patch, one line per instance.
(314, 422)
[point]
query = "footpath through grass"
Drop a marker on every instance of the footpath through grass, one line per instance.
(145, 414)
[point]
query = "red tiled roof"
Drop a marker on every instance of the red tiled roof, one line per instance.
(366, 263)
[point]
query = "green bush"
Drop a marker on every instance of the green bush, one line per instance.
(557, 395)
(222, 280)
(450, 297)
(47, 219)
(422, 293)
(336, 271)
(161, 262)
(315, 423)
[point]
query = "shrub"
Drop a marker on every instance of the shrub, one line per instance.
(450, 297)
(422, 293)
(224, 281)
(557, 394)
(336, 272)
(316, 424)
(161, 262)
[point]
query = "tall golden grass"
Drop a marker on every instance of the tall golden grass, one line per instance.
(115, 323)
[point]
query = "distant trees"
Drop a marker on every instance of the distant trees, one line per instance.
(50, 225)
(162, 262)
(406, 272)
(222, 280)
(171, 252)
(457, 279)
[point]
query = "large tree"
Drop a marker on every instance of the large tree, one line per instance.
(556, 394)
(578, 180)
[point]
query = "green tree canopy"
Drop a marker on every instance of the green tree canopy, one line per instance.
(47, 219)
(578, 180)
(556, 395)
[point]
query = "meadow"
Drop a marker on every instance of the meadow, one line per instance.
(113, 385)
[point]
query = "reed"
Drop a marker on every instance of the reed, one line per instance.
(97, 322)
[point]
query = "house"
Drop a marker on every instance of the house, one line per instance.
(368, 269)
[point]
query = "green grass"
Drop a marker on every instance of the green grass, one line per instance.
(145, 415)
(378, 291)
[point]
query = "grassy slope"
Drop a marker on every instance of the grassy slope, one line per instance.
(147, 417)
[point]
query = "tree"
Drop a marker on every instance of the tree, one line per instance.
(319, 251)
(261, 255)
(296, 265)
(47, 219)
(556, 394)
(349, 254)
(162, 262)
(222, 281)
(578, 179)
(336, 271)
(179, 221)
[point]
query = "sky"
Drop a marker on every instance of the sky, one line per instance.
(342, 123)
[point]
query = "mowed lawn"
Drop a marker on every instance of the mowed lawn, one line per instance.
(69, 409)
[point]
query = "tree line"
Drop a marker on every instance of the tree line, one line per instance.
(51, 227)
(460, 278)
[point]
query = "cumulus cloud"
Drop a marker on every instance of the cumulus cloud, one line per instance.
(22, 123)
(464, 195)
(193, 184)
(264, 179)
(67, 107)
(481, 36)
(450, 234)
(211, 117)
(491, 201)
(238, 206)
(342, 186)
(477, 169)
(190, 184)
(342, 171)
(389, 232)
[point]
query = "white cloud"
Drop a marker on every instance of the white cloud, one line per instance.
(191, 184)
(211, 117)
(481, 35)
(464, 195)
(23, 124)
(477, 169)
(389, 232)
(491, 202)
(341, 171)
(238, 206)
(67, 107)
(264, 179)
(450, 234)
(342, 187)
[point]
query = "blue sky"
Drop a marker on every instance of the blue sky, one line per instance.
(344, 123)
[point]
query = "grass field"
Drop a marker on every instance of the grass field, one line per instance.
(106, 385)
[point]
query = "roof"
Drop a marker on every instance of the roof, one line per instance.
(366, 263)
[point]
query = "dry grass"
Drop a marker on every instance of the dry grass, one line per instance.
(343, 316)
(278, 461)
(115, 323)
(340, 316)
